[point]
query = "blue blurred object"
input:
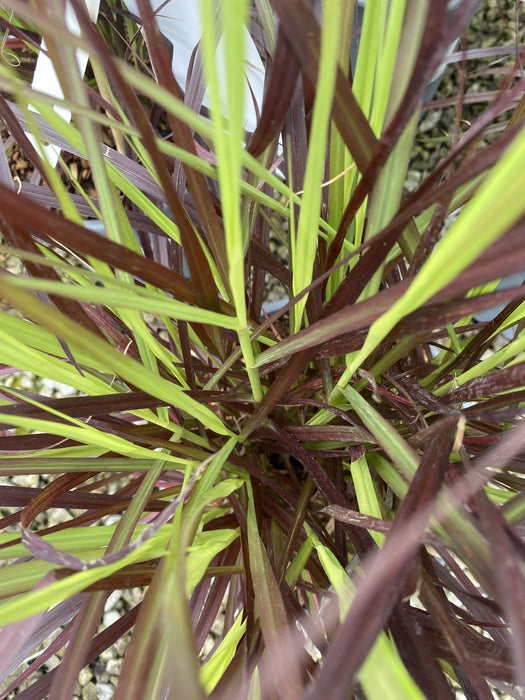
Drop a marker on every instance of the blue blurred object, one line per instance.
(489, 314)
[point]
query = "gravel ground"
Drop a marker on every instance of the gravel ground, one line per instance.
(493, 25)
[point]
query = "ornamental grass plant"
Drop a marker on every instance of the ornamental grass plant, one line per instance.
(324, 502)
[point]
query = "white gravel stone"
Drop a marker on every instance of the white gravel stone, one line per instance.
(430, 119)
(110, 617)
(114, 666)
(58, 515)
(120, 646)
(107, 655)
(89, 692)
(113, 600)
(26, 480)
(105, 691)
(52, 662)
(85, 676)
(413, 179)
(111, 519)
(51, 388)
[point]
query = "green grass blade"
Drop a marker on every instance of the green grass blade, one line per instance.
(496, 206)
(122, 365)
(228, 140)
(305, 246)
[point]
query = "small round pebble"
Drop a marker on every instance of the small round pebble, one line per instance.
(26, 480)
(113, 600)
(89, 692)
(110, 617)
(114, 667)
(52, 662)
(430, 119)
(85, 675)
(105, 691)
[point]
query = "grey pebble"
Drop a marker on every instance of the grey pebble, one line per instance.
(105, 691)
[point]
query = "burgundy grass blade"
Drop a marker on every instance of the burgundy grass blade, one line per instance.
(38, 219)
(197, 262)
(84, 406)
(298, 23)
(377, 595)
(280, 88)
(40, 688)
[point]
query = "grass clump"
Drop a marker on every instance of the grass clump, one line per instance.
(332, 494)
